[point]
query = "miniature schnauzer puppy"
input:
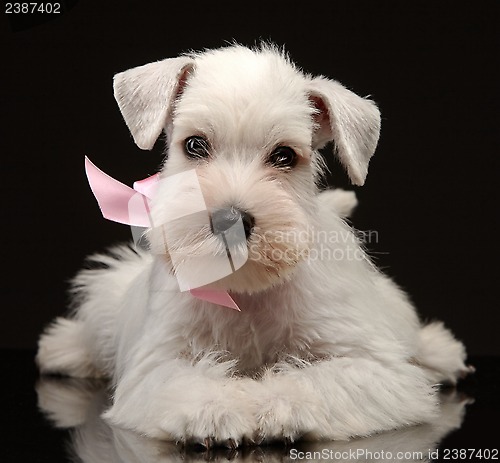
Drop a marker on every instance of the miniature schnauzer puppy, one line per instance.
(324, 345)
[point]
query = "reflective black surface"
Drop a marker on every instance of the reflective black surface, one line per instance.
(53, 419)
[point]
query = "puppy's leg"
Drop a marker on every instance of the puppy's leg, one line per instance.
(84, 346)
(335, 399)
(341, 398)
(416, 441)
(441, 354)
(62, 349)
(185, 402)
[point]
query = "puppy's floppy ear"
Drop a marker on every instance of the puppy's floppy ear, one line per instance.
(351, 122)
(145, 95)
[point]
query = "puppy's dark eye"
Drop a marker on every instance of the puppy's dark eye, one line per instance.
(196, 147)
(283, 156)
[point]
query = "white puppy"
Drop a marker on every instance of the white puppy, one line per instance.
(325, 346)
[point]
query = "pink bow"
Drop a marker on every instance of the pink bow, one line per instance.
(115, 200)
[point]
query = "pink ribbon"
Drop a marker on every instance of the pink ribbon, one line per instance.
(114, 199)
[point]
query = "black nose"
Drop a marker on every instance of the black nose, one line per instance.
(223, 219)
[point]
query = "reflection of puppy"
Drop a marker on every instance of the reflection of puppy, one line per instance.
(78, 403)
(325, 346)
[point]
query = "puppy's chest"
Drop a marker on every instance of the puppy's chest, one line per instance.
(251, 341)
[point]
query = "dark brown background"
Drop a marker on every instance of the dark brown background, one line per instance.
(431, 192)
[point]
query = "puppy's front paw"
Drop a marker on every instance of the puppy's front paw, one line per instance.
(287, 421)
(214, 413)
(217, 422)
(286, 415)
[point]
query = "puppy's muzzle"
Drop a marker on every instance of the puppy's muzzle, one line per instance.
(223, 221)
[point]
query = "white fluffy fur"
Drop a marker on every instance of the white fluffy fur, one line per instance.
(324, 348)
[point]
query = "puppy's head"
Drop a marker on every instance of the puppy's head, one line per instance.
(237, 197)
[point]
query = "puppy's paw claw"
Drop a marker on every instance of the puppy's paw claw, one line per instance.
(208, 442)
(232, 444)
(258, 438)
